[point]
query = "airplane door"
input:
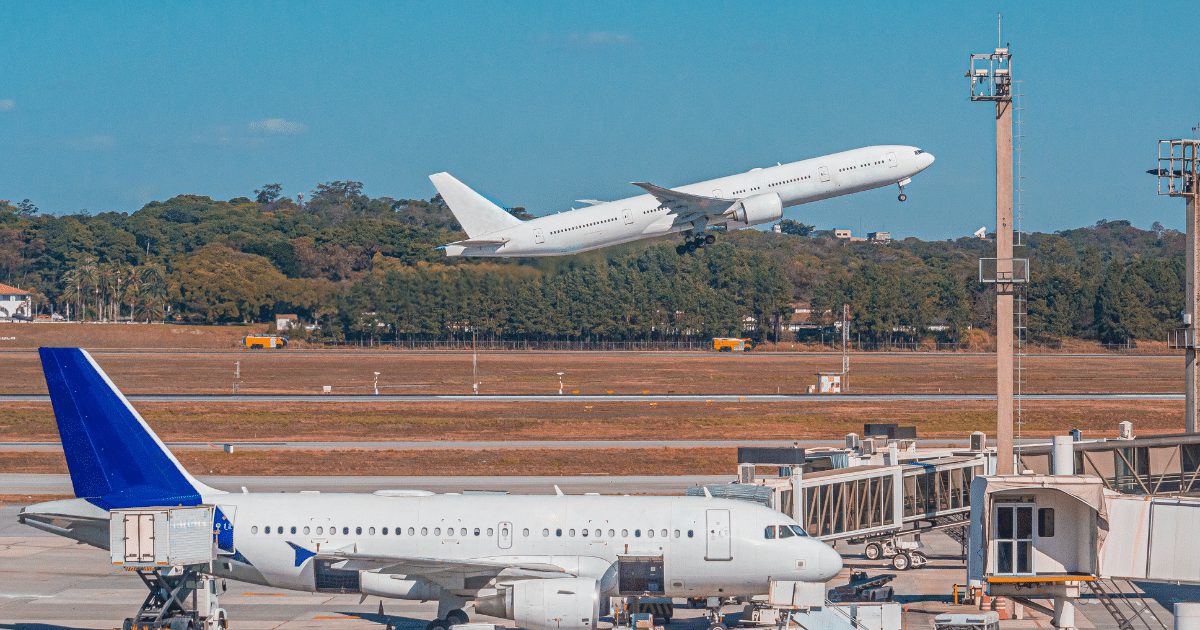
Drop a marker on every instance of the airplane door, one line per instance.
(891, 158)
(628, 217)
(824, 173)
(537, 236)
(718, 536)
(504, 535)
(717, 193)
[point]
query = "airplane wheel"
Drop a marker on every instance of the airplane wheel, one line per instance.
(699, 242)
(901, 562)
(873, 551)
(718, 626)
(128, 624)
(438, 624)
(902, 197)
(456, 616)
(710, 238)
(681, 250)
(691, 246)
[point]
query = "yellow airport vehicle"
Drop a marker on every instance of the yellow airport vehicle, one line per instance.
(729, 344)
(265, 341)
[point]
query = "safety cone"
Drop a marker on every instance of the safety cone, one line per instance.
(381, 613)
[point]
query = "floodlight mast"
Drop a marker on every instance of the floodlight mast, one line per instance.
(991, 80)
(1179, 176)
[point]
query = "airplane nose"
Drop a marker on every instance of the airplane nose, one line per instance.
(929, 159)
(829, 563)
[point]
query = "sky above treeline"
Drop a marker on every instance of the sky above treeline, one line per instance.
(107, 106)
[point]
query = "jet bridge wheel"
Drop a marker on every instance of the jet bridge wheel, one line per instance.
(874, 551)
(902, 561)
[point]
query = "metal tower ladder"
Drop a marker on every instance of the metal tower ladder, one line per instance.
(1109, 595)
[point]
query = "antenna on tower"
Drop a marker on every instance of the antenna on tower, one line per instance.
(999, 22)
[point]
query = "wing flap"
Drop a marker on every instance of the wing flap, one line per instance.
(479, 242)
(450, 574)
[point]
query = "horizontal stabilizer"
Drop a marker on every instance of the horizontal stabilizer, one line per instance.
(480, 242)
(591, 202)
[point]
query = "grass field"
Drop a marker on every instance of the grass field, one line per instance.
(204, 363)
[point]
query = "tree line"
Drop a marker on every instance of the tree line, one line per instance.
(364, 268)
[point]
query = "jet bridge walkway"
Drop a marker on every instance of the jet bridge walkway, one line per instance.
(871, 503)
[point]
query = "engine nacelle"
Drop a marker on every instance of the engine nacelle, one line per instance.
(758, 209)
(557, 604)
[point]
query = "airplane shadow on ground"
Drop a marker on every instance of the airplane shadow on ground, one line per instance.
(37, 626)
(397, 620)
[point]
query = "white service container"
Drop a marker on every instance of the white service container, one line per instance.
(161, 536)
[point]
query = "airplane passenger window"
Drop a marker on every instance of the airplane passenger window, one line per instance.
(371, 531)
(612, 534)
(599, 533)
(663, 533)
(525, 532)
(571, 533)
(769, 532)
(437, 531)
(476, 531)
(345, 531)
(650, 533)
(637, 533)
(624, 533)
(279, 530)
(267, 529)
(424, 531)
(320, 530)
(545, 532)
(384, 531)
(254, 530)
(505, 530)
(463, 532)
(411, 532)
(306, 530)
(558, 532)
(584, 532)
(689, 533)
(677, 533)
(293, 529)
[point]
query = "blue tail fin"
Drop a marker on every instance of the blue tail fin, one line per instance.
(115, 460)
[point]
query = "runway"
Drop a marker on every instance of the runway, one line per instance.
(31, 484)
(479, 446)
(577, 398)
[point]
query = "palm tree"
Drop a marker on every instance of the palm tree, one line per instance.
(153, 290)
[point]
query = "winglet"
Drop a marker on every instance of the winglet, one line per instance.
(558, 490)
(707, 494)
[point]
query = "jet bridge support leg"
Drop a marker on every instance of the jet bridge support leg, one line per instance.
(1064, 613)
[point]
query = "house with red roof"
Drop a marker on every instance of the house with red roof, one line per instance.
(15, 303)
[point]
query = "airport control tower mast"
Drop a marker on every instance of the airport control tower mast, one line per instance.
(991, 80)
(1178, 177)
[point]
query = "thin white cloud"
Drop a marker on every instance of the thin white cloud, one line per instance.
(7, 104)
(278, 125)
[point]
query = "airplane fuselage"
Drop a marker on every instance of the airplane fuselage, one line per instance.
(635, 218)
(708, 546)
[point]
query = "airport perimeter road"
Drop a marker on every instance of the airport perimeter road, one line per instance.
(576, 398)
(29, 484)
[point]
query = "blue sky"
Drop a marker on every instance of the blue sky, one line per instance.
(107, 106)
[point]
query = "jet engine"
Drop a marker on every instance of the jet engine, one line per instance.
(758, 209)
(555, 604)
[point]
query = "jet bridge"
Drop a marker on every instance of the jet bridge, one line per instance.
(873, 503)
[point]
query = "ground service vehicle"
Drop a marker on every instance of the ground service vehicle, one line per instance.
(729, 344)
(265, 341)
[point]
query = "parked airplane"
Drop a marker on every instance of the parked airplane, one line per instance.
(543, 561)
(737, 201)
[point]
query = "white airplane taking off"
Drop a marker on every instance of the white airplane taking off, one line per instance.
(736, 201)
(543, 561)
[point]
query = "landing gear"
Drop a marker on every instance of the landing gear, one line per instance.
(902, 197)
(902, 184)
(438, 624)
(691, 243)
(456, 617)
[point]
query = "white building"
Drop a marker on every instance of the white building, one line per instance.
(286, 322)
(14, 302)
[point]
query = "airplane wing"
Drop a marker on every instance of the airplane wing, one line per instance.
(687, 205)
(450, 574)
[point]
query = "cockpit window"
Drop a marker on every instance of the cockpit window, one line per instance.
(785, 531)
(769, 532)
(799, 530)
(918, 152)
